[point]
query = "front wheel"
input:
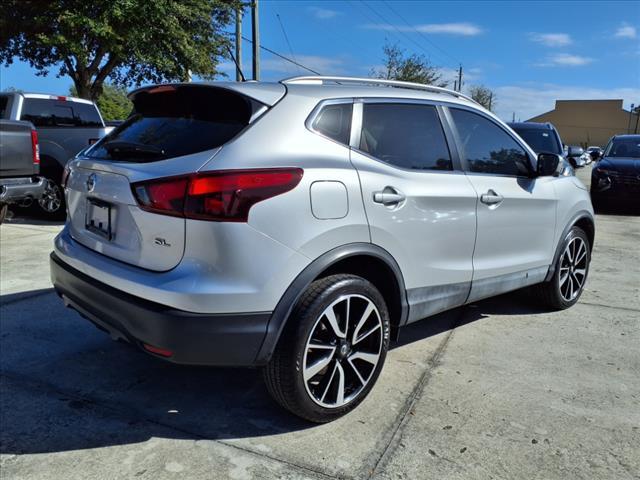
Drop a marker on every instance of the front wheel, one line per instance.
(333, 349)
(571, 270)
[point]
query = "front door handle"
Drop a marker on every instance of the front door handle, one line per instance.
(389, 196)
(491, 198)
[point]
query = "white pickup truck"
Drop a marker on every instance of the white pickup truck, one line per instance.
(65, 126)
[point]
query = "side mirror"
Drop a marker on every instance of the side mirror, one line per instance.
(548, 164)
(595, 155)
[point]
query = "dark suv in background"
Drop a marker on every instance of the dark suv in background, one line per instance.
(544, 138)
(616, 176)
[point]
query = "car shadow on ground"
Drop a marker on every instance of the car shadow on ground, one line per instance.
(67, 386)
(29, 216)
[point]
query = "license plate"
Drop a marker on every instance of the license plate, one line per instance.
(98, 218)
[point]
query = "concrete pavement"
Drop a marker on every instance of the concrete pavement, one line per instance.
(498, 389)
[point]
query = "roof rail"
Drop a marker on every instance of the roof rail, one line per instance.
(321, 80)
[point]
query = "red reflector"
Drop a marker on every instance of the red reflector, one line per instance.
(35, 147)
(163, 352)
(62, 98)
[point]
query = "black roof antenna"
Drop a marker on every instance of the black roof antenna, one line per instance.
(236, 63)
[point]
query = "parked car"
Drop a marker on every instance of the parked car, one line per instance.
(575, 156)
(20, 182)
(299, 225)
(595, 153)
(65, 125)
(616, 176)
(543, 138)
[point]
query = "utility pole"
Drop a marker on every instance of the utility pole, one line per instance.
(629, 124)
(238, 44)
(513, 119)
(255, 37)
(455, 85)
(637, 118)
(460, 79)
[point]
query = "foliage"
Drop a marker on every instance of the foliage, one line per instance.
(113, 103)
(412, 68)
(484, 96)
(126, 41)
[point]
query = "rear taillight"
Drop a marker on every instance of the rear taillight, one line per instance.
(225, 196)
(35, 147)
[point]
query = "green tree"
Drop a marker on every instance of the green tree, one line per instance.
(484, 96)
(113, 103)
(126, 41)
(411, 68)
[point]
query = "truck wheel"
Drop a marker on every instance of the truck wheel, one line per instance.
(52, 200)
(332, 350)
(3, 211)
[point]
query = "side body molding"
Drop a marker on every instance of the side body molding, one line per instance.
(309, 274)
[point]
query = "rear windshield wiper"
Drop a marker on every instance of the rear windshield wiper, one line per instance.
(119, 148)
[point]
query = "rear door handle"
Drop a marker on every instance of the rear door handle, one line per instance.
(491, 198)
(389, 196)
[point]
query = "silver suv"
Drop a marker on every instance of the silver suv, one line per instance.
(297, 226)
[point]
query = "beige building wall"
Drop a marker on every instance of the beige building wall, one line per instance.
(588, 122)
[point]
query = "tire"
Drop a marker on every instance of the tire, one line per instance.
(52, 203)
(307, 380)
(3, 211)
(567, 284)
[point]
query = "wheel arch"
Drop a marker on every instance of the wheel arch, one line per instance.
(364, 259)
(582, 219)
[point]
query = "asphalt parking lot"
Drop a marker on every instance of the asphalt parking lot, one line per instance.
(497, 389)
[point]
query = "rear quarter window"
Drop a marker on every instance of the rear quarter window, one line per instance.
(334, 121)
(173, 121)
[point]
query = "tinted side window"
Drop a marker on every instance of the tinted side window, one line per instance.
(86, 115)
(4, 106)
(487, 147)
(405, 135)
(334, 121)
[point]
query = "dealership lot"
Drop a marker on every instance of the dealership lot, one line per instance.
(497, 389)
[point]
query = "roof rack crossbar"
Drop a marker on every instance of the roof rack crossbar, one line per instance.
(322, 79)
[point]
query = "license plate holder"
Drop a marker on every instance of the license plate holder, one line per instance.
(98, 218)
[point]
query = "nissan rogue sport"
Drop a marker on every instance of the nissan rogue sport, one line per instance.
(299, 225)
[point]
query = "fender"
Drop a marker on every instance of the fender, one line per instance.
(576, 217)
(308, 275)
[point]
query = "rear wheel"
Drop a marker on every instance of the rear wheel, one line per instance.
(571, 270)
(52, 201)
(332, 350)
(3, 211)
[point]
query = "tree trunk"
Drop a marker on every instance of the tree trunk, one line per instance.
(83, 89)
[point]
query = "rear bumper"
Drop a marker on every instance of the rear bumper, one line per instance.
(193, 338)
(14, 190)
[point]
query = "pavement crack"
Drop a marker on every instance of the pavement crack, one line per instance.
(610, 306)
(402, 418)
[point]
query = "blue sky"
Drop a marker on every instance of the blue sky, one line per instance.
(529, 53)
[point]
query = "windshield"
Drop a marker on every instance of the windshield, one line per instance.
(172, 121)
(624, 148)
(540, 140)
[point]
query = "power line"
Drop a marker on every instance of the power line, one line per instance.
(419, 32)
(282, 57)
(400, 32)
(284, 32)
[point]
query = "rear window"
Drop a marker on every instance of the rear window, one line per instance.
(60, 113)
(172, 121)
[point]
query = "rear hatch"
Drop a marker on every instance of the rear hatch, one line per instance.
(174, 130)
